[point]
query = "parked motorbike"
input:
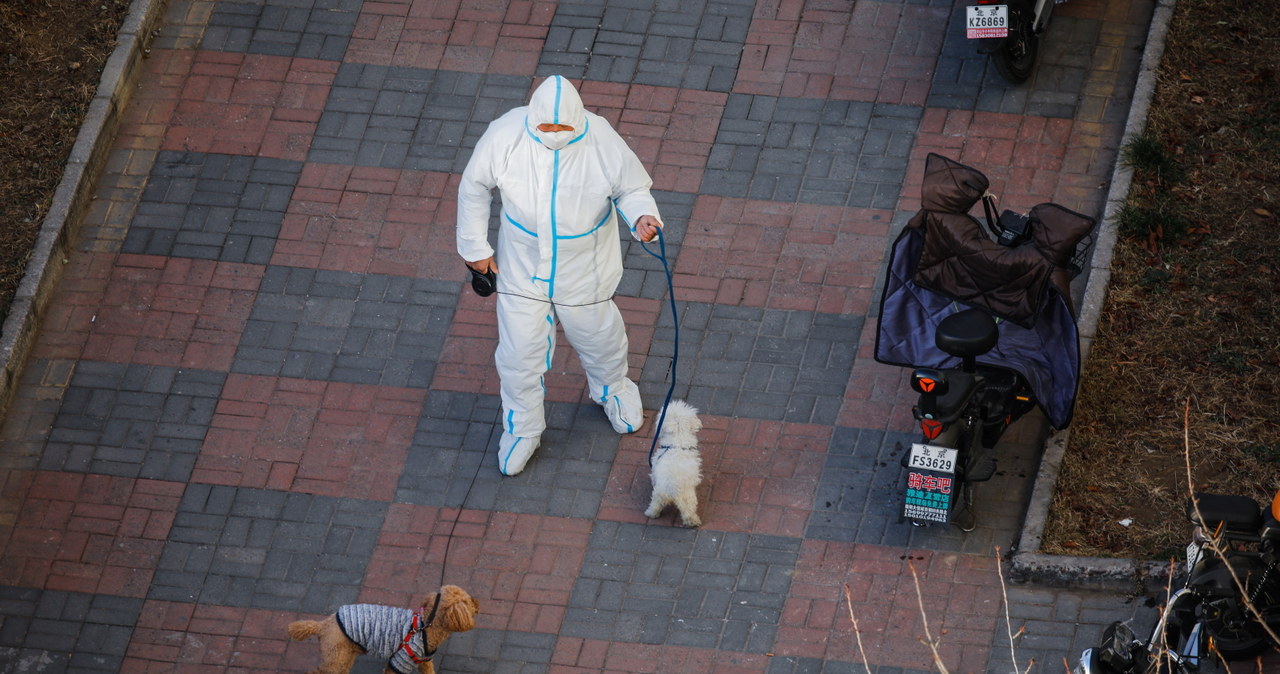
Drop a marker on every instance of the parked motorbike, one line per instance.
(984, 319)
(1207, 614)
(963, 412)
(1009, 31)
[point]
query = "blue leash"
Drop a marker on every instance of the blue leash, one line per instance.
(675, 321)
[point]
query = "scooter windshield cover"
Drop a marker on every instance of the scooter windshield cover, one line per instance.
(1046, 354)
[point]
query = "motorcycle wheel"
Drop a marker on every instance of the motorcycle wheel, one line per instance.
(1016, 58)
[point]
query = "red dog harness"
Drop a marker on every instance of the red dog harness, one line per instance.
(420, 625)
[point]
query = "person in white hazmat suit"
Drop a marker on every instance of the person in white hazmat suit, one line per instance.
(565, 177)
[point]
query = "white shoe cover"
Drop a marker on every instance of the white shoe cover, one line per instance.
(625, 412)
(514, 452)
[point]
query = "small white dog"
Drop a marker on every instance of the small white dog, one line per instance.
(677, 465)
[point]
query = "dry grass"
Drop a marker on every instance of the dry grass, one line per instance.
(51, 56)
(1193, 311)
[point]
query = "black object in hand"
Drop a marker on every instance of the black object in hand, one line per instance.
(483, 283)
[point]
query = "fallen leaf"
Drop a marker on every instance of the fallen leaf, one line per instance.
(1070, 544)
(1263, 212)
(1197, 99)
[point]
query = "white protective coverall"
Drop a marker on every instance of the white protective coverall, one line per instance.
(558, 255)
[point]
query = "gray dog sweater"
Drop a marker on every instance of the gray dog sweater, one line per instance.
(380, 630)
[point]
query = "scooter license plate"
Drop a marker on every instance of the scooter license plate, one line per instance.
(985, 21)
(932, 457)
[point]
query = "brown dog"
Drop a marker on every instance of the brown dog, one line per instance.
(406, 639)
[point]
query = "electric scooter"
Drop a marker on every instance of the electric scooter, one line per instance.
(1009, 31)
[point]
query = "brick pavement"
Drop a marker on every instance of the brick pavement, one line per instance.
(263, 390)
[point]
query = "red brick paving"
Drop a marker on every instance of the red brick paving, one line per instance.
(452, 35)
(146, 119)
(89, 533)
(1024, 157)
(774, 255)
(185, 637)
(74, 308)
(837, 50)
(670, 130)
(878, 395)
(170, 311)
(372, 220)
(574, 656)
(766, 474)
(248, 104)
(309, 436)
(961, 596)
(523, 566)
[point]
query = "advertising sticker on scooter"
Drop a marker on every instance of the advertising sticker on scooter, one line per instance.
(987, 21)
(930, 478)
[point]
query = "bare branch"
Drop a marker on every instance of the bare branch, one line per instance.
(1008, 626)
(857, 633)
(928, 640)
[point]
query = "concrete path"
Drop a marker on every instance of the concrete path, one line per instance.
(262, 389)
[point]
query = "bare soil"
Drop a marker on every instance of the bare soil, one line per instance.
(1192, 320)
(1191, 324)
(51, 58)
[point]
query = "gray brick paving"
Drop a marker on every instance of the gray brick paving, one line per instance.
(453, 456)
(234, 546)
(796, 665)
(410, 118)
(680, 587)
(642, 274)
(759, 363)
(52, 631)
(294, 28)
(695, 44)
(859, 496)
(132, 420)
(1059, 623)
(341, 326)
(212, 207)
(485, 651)
(964, 79)
(839, 153)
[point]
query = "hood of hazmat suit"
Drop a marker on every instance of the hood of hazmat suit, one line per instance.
(563, 194)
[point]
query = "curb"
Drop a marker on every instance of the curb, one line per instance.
(1029, 564)
(74, 192)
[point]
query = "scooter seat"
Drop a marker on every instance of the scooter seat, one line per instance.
(1237, 513)
(967, 334)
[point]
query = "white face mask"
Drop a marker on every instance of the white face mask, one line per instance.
(555, 140)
